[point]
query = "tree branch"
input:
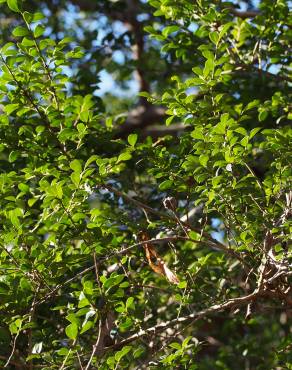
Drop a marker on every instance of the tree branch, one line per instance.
(231, 303)
(244, 14)
(157, 131)
(141, 117)
(248, 68)
(213, 243)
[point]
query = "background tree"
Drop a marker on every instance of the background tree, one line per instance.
(147, 226)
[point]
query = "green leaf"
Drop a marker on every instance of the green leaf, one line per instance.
(72, 318)
(88, 325)
(66, 134)
(228, 157)
(84, 115)
(132, 139)
(224, 29)
(130, 302)
(124, 157)
(175, 345)
(81, 128)
(76, 166)
(31, 201)
(57, 190)
(170, 29)
(111, 362)
(13, 156)
(254, 131)
(169, 120)
(263, 114)
(165, 184)
(214, 37)
(198, 134)
(198, 71)
(182, 285)
(66, 40)
(244, 141)
(149, 29)
(20, 31)
(23, 187)
(186, 341)
(209, 67)
(76, 53)
(113, 280)
(45, 43)
(220, 128)
(242, 131)
(72, 330)
(90, 160)
(27, 42)
(39, 30)
(203, 159)
(38, 16)
(63, 351)
(13, 5)
(144, 94)
(75, 177)
(62, 226)
(138, 351)
(27, 17)
(253, 104)
(120, 354)
(10, 108)
(15, 326)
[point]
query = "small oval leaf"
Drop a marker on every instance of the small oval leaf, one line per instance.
(72, 330)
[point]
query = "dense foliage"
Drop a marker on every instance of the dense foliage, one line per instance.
(199, 162)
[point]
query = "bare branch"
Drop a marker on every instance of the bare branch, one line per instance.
(247, 69)
(211, 241)
(231, 303)
(54, 291)
(95, 346)
(244, 14)
(141, 117)
(13, 349)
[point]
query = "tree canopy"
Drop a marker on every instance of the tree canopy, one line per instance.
(145, 171)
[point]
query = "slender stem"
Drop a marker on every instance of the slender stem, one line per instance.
(68, 354)
(95, 345)
(235, 302)
(210, 240)
(13, 349)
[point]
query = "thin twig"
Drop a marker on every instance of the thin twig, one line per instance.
(68, 354)
(50, 294)
(194, 316)
(79, 360)
(29, 97)
(14, 363)
(31, 314)
(13, 349)
(126, 250)
(244, 14)
(210, 240)
(96, 344)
